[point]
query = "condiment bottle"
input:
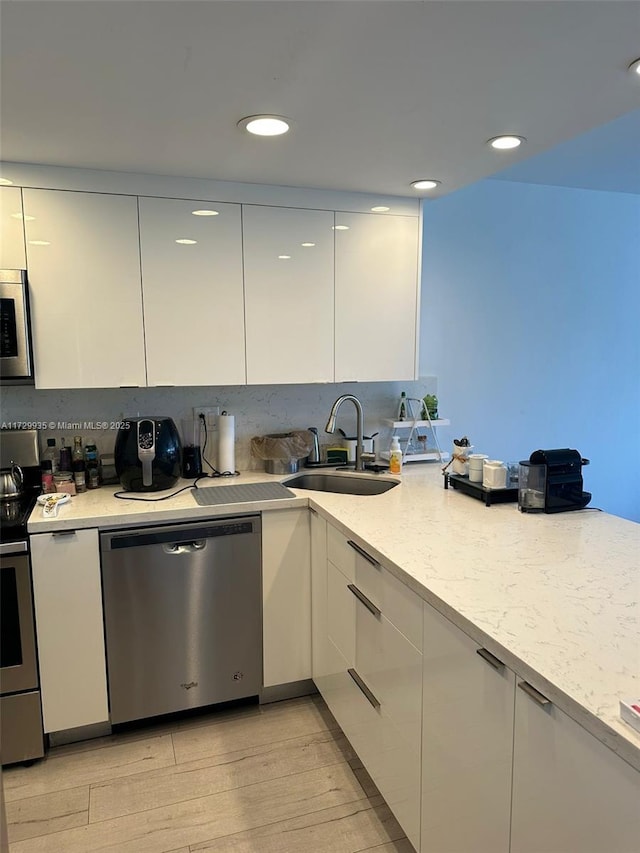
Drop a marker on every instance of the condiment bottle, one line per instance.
(47, 477)
(51, 455)
(93, 466)
(65, 457)
(395, 456)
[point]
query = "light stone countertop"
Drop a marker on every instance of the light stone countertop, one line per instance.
(556, 597)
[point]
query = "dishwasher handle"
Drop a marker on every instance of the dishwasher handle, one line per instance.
(184, 547)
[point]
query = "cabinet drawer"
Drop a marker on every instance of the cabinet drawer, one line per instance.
(401, 606)
(390, 755)
(392, 668)
(341, 614)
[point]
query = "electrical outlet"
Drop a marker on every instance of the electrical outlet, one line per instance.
(210, 413)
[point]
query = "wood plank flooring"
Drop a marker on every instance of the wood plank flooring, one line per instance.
(277, 778)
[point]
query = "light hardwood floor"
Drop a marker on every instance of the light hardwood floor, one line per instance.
(277, 778)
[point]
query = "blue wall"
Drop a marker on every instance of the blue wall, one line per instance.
(531, 322)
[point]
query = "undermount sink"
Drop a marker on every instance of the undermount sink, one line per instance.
(343, 484)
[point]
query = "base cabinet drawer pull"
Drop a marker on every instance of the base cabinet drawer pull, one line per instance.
(369, 695)
(366, 601)
(60, 533)
(363, 553)
(492, 660)
(538, 697)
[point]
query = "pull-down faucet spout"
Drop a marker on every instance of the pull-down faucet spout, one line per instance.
(331, 425)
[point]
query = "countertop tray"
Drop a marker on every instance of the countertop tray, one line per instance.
(242, 493)
(477, 490)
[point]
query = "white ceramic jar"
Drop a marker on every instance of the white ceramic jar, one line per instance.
(494, 474)
(475, 462)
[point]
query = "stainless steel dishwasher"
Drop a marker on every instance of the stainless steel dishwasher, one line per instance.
(183, 615)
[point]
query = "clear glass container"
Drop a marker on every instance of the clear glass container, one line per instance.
(532, 480)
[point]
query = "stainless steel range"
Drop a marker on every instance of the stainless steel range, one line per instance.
(21, 733)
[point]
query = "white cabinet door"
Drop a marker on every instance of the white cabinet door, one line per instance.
(69, 629)
(571, 794)
(288, 268)
(286, 596)
(376, 297)
(467, 735)
(86, 299)
(193, 292)
(12, 251)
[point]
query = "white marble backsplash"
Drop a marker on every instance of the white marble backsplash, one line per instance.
(258, 410)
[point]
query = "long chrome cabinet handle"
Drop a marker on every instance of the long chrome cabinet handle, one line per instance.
(363, 553)
(60, 533)
(492, 660)
(534, 694)
(363, 598)
(368, 694)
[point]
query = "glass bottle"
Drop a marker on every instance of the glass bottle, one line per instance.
(402, 408)
(51, 455)
(78, 465)
(65, 457)
(92, 460)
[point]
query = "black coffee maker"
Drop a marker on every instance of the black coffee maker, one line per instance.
(551, 481)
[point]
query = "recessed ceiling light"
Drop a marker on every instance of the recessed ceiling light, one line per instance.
(635, 67)
(204, 212)
(39, 243)
(5, 181)
(306, 245)
(22, 216)
(265, 125)
(284, 257)
(185, 242)
(340, 227)
(380, 208)
(504, 143)
(425, 184)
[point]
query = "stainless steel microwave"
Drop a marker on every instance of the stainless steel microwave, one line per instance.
(16, 357)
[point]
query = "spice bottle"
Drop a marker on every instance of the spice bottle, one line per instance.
(65, 458)
(93, 466)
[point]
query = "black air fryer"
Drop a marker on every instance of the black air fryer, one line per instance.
(148, 454)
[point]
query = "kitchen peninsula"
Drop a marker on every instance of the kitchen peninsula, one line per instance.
(553, 598)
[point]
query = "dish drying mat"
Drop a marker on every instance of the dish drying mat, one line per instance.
(244, 493)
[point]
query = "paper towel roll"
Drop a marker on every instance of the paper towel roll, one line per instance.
(226, 443)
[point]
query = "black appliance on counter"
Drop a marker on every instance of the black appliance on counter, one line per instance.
(21, 730)
(551, 481)
(148, 454)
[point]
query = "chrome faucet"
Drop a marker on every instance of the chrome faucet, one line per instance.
(331, 425)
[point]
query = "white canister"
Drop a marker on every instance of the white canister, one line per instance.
(494, 474)
(459, 459)
(475, 462)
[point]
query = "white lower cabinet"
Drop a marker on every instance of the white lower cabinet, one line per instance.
(286, 596)
(571, 794)
(319, 638)
(467, 736)
(373, 678)
(69, 628)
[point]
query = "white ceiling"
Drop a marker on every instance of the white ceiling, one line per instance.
(381, 93)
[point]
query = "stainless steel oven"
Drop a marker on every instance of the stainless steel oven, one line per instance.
(16, 358)
(21, 737)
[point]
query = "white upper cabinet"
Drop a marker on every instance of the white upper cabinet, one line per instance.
(86, 301)
(193, 292)
(289, 294)
(12, 251)
(376, 297)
